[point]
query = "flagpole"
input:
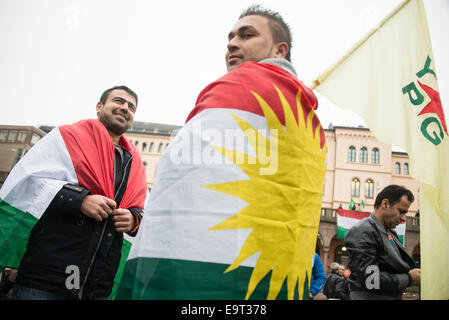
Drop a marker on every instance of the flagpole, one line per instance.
(323, 76)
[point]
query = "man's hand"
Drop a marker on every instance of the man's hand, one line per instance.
(416, 276)
(123, 219)
(97, 206)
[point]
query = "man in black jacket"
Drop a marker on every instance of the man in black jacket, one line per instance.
(335, 286)
(380, 267)
(82, 232)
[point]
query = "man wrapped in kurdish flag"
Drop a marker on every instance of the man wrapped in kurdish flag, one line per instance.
(236, 200)
(66, 204)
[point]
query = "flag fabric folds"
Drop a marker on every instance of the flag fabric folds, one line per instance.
(236, 200)
(390, 79)
(79, 154)
(346, 219)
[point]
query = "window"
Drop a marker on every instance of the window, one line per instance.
(160, 148)
(364, 155)
(355, 187)
(144, 147)
(145, 164)
(351, 154)
(151, 147)
(369, 188)
(406, 169)
(375, 156)
(136, 143)
(22, 136)
(397, 168)
(3, 136)
(35, 138)
(12, 136)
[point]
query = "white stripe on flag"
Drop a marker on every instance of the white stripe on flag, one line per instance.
(31, 184)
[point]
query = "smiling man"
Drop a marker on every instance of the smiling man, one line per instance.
(380, 267)
(68, 202)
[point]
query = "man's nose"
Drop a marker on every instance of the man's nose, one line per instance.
(233, 44)
(125, 107)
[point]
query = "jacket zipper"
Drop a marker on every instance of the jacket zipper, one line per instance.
(80, 293)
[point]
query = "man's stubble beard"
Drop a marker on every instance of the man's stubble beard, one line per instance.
(113, 126)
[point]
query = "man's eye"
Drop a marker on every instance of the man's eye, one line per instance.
(247, 35)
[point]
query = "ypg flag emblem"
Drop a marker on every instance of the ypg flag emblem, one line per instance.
(433, 124)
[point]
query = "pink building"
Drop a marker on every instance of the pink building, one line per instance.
(359, 165)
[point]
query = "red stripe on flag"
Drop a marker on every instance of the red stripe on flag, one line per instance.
(92, 152)
(353, 214)
(233, 91)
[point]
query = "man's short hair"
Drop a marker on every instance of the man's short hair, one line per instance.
(394, 194)
(105, 94)
(280, 30)
(334, 266)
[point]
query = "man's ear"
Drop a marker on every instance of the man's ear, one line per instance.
(281, 50)
(99, 106)
(386, 203)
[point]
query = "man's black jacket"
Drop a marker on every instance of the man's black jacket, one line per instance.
(379, 263)
(336, 287)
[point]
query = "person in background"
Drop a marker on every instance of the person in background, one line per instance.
(334, 287)
(318, 277)
(381, 269)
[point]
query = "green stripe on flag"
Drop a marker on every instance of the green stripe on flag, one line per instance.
(170, 279)
(126, 247)
(15, 228)
(401, 239)
(341, 232)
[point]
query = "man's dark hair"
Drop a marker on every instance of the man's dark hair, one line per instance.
(279, 28)
(393, 193)
(105, 94)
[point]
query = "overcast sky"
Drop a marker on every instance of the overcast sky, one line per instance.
(58, 56)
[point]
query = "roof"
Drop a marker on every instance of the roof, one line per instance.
(153, 128)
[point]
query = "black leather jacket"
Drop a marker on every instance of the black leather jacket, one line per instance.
(377, 268)
(64, 236)
(336, 286)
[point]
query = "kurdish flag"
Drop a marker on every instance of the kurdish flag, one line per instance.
(80, 154)
(390, 79)
(346, 219)
(236, 201)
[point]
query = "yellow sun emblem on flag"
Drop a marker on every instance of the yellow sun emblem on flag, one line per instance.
(283, 208)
